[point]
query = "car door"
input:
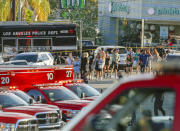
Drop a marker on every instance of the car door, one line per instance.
(130, 104)
(36, 94)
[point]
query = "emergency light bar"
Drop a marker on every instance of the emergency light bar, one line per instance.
(49, 84)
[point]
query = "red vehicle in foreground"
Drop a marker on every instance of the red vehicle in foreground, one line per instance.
(138, 103)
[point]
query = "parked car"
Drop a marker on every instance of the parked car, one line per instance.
(172, 57)
(36, 58)
(47, 118)
(130, 103)
(84, 91)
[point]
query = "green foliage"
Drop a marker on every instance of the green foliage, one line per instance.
(87, 15)
(29, 14)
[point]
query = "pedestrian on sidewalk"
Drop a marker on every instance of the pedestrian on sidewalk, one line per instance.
(69, 59)
(107, 63)
(129, 63)
(91, 64)
(84, 63)
(143, 60)
(115, 60)
(76, 68)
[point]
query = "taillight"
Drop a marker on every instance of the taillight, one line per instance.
(71, 31)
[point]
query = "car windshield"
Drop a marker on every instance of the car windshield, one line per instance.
(60, 94)
(23, 96)
(11, 101)
(84, 88)
(28, 58)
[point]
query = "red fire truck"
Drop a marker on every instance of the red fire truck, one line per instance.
(136, 103)
(36, 81)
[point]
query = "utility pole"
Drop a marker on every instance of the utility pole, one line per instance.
(80, 37)
(19, 11)
(13, 10)
(142, 34)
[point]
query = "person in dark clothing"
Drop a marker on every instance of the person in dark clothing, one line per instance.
(84, 63)
(91, 65)
(161, 51)
(59, 59)
(158, 103)
(143, 60)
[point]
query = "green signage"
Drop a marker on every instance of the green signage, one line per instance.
(167, 11)
(120, 7)
(72, 3)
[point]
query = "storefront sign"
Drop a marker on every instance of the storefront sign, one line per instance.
(164, 11)
(164, 32)
(119, 7)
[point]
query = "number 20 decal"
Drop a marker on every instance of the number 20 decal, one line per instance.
(68, 73)
(5, 80)
(49, 76)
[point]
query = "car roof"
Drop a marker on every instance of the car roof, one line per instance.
(33, 53)
(110, 47)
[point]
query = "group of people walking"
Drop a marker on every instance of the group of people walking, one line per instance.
(105, 64)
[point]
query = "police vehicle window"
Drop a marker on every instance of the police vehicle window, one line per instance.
(45, 57)
(35, 94)
(50, 55)
(28, 58)
(137, 109)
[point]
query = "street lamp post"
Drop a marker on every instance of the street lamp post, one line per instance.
(19, 12)
(80, 38)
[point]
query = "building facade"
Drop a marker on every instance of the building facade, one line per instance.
(120, 21)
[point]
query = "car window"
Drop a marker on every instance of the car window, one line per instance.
(60, 94)
(84, 88)
(28, 58)
(173, 57)
(23, 96)
(35, 94)
(11, 101)
(136, 109)
(50, 55)
(44, 57)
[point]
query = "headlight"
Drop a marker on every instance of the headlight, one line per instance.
(71, 113)
(7, 127)
(59, 113)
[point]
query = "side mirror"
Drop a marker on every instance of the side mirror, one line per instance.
(40, 61)
(39, 99)
(30, 101)
(83, 95)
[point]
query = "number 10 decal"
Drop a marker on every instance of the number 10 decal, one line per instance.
(49, 76)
